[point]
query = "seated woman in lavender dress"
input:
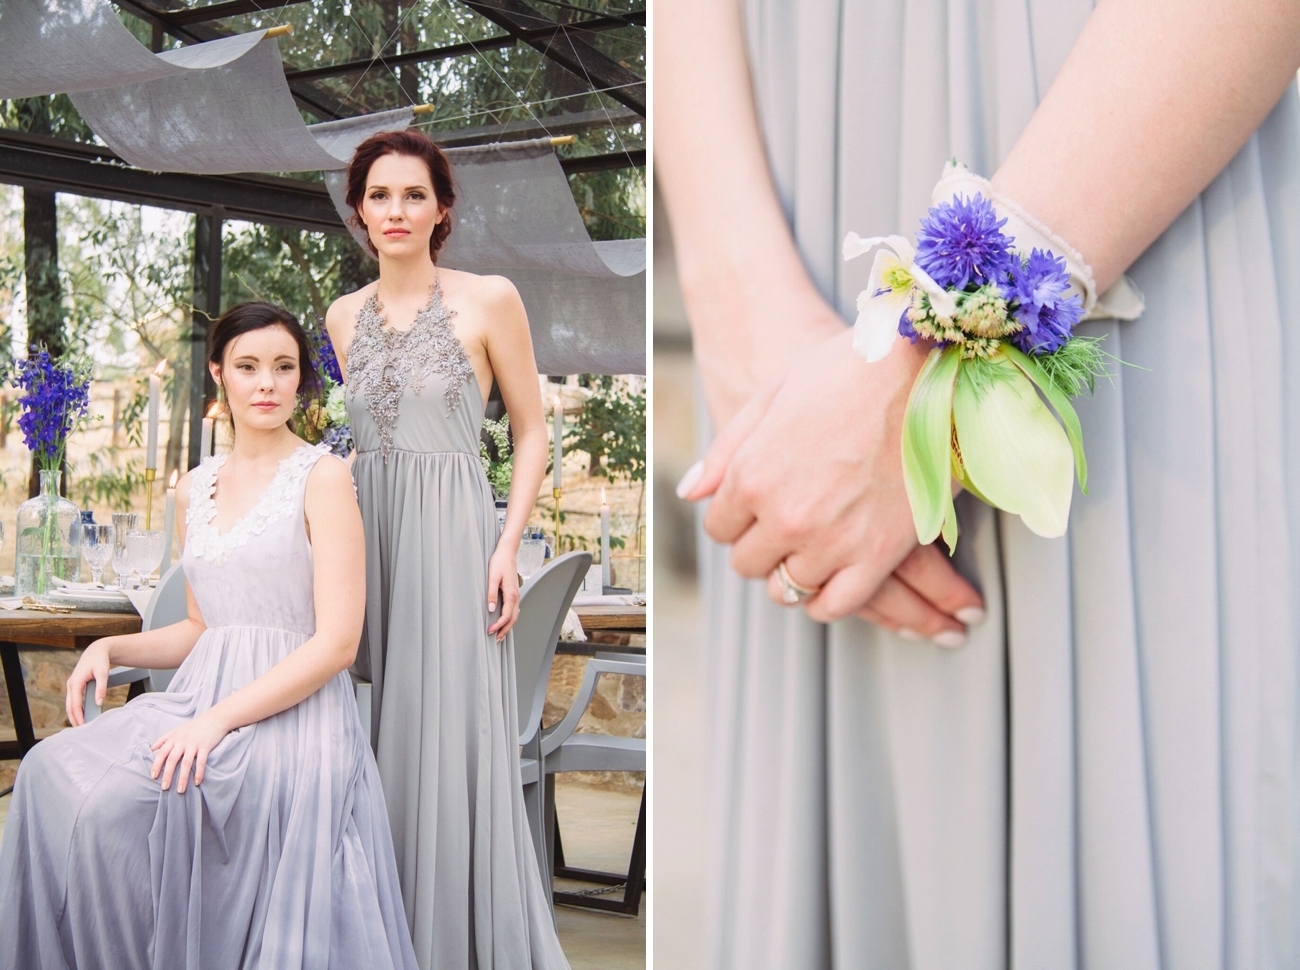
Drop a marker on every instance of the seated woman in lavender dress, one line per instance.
(237, 820)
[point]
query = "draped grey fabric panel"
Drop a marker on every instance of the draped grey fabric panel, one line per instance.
(584, 325)
(236, 117)
(56, 46)
(515, 216)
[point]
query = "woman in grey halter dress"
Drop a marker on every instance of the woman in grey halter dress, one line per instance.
(1105, 775)
(277, 853)
(422, 347)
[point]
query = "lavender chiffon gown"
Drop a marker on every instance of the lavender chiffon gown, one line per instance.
(282, 858)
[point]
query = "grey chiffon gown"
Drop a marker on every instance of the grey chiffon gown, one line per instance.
(1108, 774)
(444, 712)
(282, 858)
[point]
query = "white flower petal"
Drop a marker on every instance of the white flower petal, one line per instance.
(855, 245)
(876, 328)
(943, 303)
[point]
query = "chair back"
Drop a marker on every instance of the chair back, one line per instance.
(543, 605)
(166, 606)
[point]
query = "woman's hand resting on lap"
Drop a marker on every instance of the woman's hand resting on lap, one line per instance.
(810, 471)
(187, 746)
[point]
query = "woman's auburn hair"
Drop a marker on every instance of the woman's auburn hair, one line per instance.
(413, 144)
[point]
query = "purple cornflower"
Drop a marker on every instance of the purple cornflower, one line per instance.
(327, 362)
(1039, 293)
(56, 395)
(960, 244)
(906, 329)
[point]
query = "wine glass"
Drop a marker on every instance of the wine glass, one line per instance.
(97, 546)
(123, 523)
(144, 552)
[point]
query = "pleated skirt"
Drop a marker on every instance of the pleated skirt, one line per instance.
(1107, 775)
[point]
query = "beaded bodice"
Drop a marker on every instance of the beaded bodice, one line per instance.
(383, 363)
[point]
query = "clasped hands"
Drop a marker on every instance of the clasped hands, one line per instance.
(809, 473)
(184, 748)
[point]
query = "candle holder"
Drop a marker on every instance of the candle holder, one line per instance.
(556, 492)
(149, 475)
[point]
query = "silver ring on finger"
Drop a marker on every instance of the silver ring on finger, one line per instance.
(791, 592)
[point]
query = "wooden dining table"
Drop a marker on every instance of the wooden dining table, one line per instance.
(612, 628)
(22, 629)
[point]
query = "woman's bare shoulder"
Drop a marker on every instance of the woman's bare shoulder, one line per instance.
(330, 478)
(347, 306)
(485, 291)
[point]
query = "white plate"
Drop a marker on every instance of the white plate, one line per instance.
(96, 600)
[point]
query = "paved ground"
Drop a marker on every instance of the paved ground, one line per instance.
(598, 827)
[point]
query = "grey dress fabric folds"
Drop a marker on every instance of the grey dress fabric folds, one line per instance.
(282, 858)
(1107, 775)
(444, 711)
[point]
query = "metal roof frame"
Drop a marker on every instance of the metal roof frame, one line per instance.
(60, 165)
(562, 43)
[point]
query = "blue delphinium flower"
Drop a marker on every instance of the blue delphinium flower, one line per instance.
(56, 395)
(1039, 292)
(960, 243)
(327, 361)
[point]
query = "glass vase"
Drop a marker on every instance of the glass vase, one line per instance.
(49, 539)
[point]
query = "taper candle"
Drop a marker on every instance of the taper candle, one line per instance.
(558, 423)
(205, 434)
(155, 396)
(606, 575)
(169, 520)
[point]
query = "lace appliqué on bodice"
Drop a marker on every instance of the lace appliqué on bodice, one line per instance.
(383, 362)
(279, 500)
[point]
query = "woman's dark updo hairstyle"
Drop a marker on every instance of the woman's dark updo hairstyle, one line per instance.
(244, 318)
(415, 145)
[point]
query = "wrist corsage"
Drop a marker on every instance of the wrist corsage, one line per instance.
(1000, 303)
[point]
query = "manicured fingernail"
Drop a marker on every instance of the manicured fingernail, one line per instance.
(907, 634)
(971, 615)
(492, 607)
(690, 479)
(949, 638)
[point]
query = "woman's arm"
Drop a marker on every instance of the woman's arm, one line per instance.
(750, 300)
(339, 582)
(1153, 101)
(161, 649)
(753, 308)
(510, 352)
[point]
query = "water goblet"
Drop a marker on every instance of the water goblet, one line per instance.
(97, 547)
(145, 552)
(532, 551)
(123, 522)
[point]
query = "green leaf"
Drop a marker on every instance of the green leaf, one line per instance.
(1060, 403)
(1014, 451)
(927, 444)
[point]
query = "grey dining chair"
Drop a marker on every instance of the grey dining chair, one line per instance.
(563, 749)
(166, 606)
(544, 602)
